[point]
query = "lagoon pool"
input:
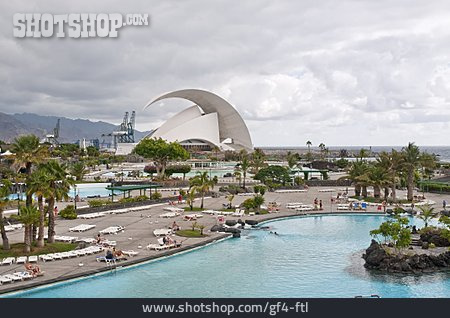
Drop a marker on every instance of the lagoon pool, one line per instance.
(85, 190)
(313, 256)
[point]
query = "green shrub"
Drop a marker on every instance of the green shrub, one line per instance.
(432, 245)
(68, 212)
(156, 196)
(96, 203)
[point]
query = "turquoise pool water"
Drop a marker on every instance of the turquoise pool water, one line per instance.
(317, 256)
(85, 190)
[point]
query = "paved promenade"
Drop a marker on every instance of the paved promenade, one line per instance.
(138, 233)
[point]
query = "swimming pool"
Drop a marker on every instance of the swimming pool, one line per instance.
(85, 190)
(314, 256)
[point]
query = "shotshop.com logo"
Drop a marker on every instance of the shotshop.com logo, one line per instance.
(73, 25)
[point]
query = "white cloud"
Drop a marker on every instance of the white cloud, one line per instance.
(339, 72)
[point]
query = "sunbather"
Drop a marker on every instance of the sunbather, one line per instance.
(33, 270)
(175, 226)
(118, 254)
(109, 254)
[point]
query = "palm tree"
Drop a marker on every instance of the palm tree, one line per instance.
(28, 153)
(230, 198)
(244, 165)
(411, 161)
(363, 153)
(5, 191)
(309, 144)
(378, 178)
(78, 170)
(59, 184)
(258, 159)
(322, 150)
(427, 213)
(237, 174)
(390, 162)
(202, 184)
(258, 201)
(39, 184)
(190, 198)
(356, 174)
(29, 215)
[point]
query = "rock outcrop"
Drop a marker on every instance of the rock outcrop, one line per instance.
(377, 257)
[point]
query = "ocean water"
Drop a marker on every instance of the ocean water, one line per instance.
(442, 152)
(313, 256)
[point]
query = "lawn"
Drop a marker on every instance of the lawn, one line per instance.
(188, 209)
(189, 233)
(17, 249)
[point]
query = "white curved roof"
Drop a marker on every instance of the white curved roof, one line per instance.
(230, 124)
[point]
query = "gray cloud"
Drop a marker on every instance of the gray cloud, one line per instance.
(339, 72)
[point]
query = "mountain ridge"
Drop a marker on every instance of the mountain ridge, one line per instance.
(71, 130)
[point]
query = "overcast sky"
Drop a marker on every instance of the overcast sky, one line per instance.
(339, 72)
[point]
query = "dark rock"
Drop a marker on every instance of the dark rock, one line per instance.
(425, 245)
(217, 228)
(231, 222)
(376, 257)
(241, 222)
(435, 237)
(236, 235)
(81, 245)
(231, 230)
(251, 222)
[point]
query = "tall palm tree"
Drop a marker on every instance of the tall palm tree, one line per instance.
(202, 184)
(411, 161)
(39, 185)
(356, 174)
(258, 160)
(322, 148)
(237, 174)
(390, 162)
(190, 197)
(28, 153)
(378, 178)
(309, 144)
(244, 165)
(28, 215)
(59, 184)
(363, 153)
(5, 191)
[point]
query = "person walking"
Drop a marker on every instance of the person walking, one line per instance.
(444, 204)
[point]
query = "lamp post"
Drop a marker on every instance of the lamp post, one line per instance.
(75, 195)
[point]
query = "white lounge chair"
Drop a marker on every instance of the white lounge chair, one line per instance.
(8, 261)
(4, 280)
(14, 278)
(162, 232)
(46, 257)
(21, 260)
(82, 228)
(112, 230)
(130, 253)
(169, 215)
(24, 275)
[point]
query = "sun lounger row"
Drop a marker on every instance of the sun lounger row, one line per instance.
(19, 260)
(70, 254)
(13, 227)
(246, 194)
(112, 230)
(343, 207)
(173, 209)
(91, 215)
(293, 205)
(327, 190)
(63, 238)
(304, 207)
(82, 228)
(169, 215)
(15, 277)
(290, 190)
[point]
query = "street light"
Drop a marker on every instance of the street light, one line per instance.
(75, 195)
